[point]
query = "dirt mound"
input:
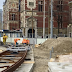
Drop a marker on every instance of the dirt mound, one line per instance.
(60, 45)
(42, 53)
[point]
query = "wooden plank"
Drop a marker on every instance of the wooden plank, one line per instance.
(29, 62)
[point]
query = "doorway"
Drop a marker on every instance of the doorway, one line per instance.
(30, 33)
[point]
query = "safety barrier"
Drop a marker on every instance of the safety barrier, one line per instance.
(32, 40)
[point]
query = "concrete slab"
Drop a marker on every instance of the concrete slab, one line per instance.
(27, 66)
(59, 67)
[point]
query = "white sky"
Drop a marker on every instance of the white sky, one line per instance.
(1, 4)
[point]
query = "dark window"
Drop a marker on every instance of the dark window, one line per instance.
(61, 21)
(40, 5)
(60, 5)
(31, 4)
(13, 16)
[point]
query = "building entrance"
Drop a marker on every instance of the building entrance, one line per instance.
(30, 33)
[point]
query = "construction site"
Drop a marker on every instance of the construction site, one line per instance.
(53, 55)
(36, 36)
(53, 52)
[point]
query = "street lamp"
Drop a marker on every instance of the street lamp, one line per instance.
(51, 19)
(44, 21)
(32, 22)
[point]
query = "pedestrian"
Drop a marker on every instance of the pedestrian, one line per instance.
(4, 38)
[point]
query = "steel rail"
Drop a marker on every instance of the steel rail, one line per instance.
(17, 63)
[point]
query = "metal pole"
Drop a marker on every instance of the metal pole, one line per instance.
(19, 13)
(32, 23)
(44, 21)
(51, 18)
(52, 50)
(50, 54)
(48, 22)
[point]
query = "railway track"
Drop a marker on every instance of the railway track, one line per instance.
(11, 59)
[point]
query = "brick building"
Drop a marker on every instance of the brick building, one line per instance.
(11, 14)
(60, 16)
(32, 16)
(69, 27)
(1, 17)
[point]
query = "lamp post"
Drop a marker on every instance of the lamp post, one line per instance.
(51, 19)
(32, 22)
(48, 21)
(44, 21)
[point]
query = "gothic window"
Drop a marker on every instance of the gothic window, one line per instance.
(13, 16)
(31, 4)
(40, 5)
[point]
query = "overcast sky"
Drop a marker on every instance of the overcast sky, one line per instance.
(1, 4)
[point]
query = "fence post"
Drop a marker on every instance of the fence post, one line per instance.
(50, 54)
(52, 50)
(64, 35)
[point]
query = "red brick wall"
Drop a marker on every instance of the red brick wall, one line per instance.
(13, 25)
(64, 13)
(17, 18)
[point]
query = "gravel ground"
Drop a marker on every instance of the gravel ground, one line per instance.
(41, 60)
(41, 54)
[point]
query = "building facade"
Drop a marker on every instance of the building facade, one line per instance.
(69, 27)
(70, 12)
(11, 15)
(32, 16)
(1, 17)
(61, 16)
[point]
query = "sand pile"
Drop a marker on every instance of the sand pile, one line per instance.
(42, 53)
(60, 45)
